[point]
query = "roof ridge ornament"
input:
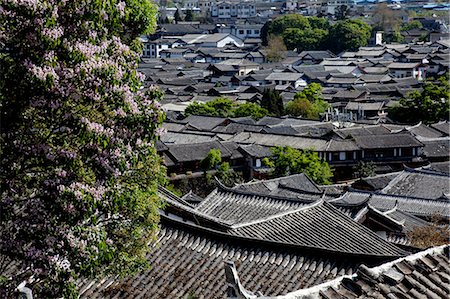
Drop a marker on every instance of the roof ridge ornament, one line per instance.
(279, 215)
(235, 288)
(394, 209)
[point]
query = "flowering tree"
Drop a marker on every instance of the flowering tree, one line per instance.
(79, 166)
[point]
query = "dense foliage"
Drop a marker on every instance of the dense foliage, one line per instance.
(189, 17)
(177, 16)
(349, 35)
(212, 159)
(308, 103)
(364, 169)
(224, 107)
(415, 24)
(434, 234)
(287, 161)
(273, 102)
(79, 167)
(316, 33)
(228, 176)
(276, 49)
(429, 106)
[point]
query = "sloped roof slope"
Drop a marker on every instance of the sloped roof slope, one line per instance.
(419, 184)
(238, 206)
(189, 261)
(322, 226)
(421, 275)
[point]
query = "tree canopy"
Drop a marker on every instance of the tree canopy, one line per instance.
(212, 159)
(272, 101)
(250, 109)
(287, 161)
(177, 16)
(364, 169)
(308, 103)
(189, 17)
(316, 33)
(430, 105)
(349, 35)
(415, 24)
(79, 168)
(224, 107)
(276, 49)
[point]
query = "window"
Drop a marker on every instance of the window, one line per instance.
(334, 157)
(256, 31)
(258, 163)
(249, 32)
(241, 31)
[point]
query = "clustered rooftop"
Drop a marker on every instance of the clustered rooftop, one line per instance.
(291, 237)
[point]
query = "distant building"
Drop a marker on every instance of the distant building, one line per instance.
(243, 31)
(217, 40)
(404, 70)
(153, 48)
(229, 10)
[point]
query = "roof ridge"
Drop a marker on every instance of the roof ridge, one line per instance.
(401, 223)
(394, 181)
(271, 180)
(374, 270)
(426, 171)
(206, 199)
(400, 197)
(196, 212)
(244, 192)
(279, 215)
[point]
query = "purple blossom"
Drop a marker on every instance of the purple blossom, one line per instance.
(121, 8)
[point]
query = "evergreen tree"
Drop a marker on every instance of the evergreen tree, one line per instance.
(272, 102)
(177, 16)
(189, 17)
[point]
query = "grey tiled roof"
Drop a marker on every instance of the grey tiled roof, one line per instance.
(256, 151)
(362, 131)
(322, 226)
(364, 106)
(296, 142)
(298, 182)
(443, 126)
(206, 123)
(196, 151)
(384, 202)
(443, 167)
(186, 137)
(410, 222)
(422, 130)
(189, 261)
(236, 206)
(437, 148)
(419, 184)
(378, 182)
(422, 275)
(387, 141)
